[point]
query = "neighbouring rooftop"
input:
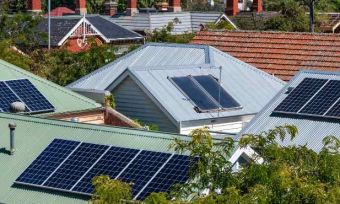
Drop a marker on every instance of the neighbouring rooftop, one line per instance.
(311, 102)
(281, 54)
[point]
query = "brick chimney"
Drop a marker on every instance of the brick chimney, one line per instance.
(80, 6)
(34, 6)
(132, 7)
(110, 8)
(232, 8)
(175, 5)
(257, 6)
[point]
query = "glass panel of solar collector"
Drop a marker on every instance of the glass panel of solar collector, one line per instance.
(205, 92)
(313, 97)
(72, 169)
(22, 90)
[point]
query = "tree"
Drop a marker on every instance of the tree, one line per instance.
(291, 174)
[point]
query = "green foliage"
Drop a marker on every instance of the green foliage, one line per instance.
(151, 127)
(110, 101)
(95, 6)
(19, 30)
(164, 34)
(292, 174)
(110, 191)
(293, 18)
(222, 25)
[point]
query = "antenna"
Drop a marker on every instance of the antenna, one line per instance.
(49, 24)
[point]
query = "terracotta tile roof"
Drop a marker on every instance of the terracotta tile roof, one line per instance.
(278, 53)
(61, 11)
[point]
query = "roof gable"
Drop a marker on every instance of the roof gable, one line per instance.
(311, 130)
(64, 27)
(57, 95)
(152, 64)
(278, 53)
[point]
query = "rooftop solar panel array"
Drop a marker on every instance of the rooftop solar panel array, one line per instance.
(205, 92)
(313, 97)
(24, 91)
(70, 166)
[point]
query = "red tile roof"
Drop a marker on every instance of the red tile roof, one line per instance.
(279, 53)
(331, 21)
(61, 11)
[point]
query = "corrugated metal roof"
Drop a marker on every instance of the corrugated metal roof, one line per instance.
(311, 131)
(57, 95)
(33, 134)
(189, 21)
(153, 63)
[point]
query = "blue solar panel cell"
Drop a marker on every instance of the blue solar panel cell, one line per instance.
(30, 95)
(47, 162)
(111, 164)
(75, 166)
(143, 168)
(216, 91)
(323, 101)
(6, 97)
(300, 95)
(195, 94)
(175, 171)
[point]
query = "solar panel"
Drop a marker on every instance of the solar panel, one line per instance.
(325, 98)
(75, 166)
(30, 95)
(300, 95)
(216, 91)
(175, 171)
(6, 97)
(335, 110)
(70, 166)
(142, 169)
(111, 164)
(47, 162)
(195, 94)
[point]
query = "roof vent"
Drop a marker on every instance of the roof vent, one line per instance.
(18, 107)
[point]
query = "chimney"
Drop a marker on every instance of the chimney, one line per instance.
(80, 7)
(132, 7)
(257, 6)
(12, 127)
(175, 5)
(232, 8)
(110, 8)
(34, 6)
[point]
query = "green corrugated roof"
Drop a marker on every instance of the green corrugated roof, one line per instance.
(32, 136)
(62, 99)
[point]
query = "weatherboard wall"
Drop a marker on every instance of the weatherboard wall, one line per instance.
(134, 103)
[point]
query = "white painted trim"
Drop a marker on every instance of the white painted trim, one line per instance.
(225, 17)
(335, 27)
(249, 152)
(61, 42)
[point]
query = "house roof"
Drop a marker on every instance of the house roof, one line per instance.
(63, 27)
(282, 54)
(311, 130)
(151, 64)
(57, 95)
(61, 11)
(32, 135)
(189, 21)
(331, 22)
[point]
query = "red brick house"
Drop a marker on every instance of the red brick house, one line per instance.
(76, 33)
(281, 54)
